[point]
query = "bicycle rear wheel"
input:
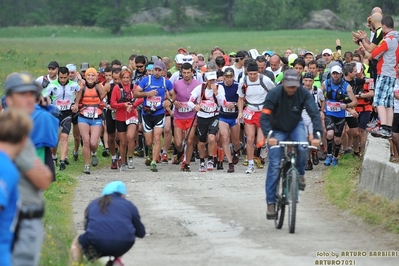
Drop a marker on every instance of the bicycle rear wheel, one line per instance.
(280, 204)
(292, 197)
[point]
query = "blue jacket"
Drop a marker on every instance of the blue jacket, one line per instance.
(45, 127)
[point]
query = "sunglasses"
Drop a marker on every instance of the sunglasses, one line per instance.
(141, 66)
(187, 59)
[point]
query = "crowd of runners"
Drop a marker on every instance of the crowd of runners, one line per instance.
(208, 109)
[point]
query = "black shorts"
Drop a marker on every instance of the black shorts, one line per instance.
(363, 119)
(335, 123)
(65, 119)
(94, 249)
(352, 122)
(75, 119)
(121, 126)
(111, 123)
(150, 122)
(207, 126)
(395, 124)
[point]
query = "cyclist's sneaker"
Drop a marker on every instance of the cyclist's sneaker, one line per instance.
(164, 158)
(75, 156)
(258, 163)
(236, 158)
(62, 166)
(209, 165)
(148, 161)
(250, 169)
(334, 161)
(114, 164)
(122, 168)
(66, 161)
(328, 160)
(130, 164)
(309, 166)
(271, 212)
(87, 169)
(301, 183)
(245, 162)
(315, 158)
(153, 167)
(202, 167)
(186, 168)
(220, 166)
(231, 168)
(94, 160)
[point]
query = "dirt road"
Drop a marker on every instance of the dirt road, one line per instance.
(217, 218)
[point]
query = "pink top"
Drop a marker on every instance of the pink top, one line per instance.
(183, 93)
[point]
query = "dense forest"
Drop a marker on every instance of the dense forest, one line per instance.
(251, 14)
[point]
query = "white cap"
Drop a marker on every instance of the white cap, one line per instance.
(337, 69)
(179, 59)
(327, 51)
(210, 75)
(71, 67)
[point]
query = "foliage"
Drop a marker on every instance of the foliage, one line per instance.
(250, 14)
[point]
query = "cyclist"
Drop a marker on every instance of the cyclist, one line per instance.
(281, 113)
(63, 95)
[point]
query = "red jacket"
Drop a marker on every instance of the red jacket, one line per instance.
(121, 109)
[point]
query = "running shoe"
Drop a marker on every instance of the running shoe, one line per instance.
(220, 166)
(130, 164)
(235, 158)
(258, 163)
(202, 167)
(328, 160)
(122, 168)
(209, 165)
(315, 158)
(250, 169)
(94, 160)
(66, 161)
(309, 166)
(231, 168)
(105, 152)
(245, 162)
(186, 168)
(164, 158)
(334, 161)
(75, 156)
(87, 169)
(62, 166)
(153, 167)
(114, 164)
(148, 161)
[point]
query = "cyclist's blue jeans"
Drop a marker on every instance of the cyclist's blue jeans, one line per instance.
(275, 155)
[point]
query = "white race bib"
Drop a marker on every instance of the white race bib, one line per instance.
(154, 101)
(227, 110)
(132, 120)
(247, 113)
(334, 107)
(348, 114)
(90, 112)
(208, 106)
(63, 105)
(184, 108)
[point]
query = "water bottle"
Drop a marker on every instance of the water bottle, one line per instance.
(371, 84)
(113, 114)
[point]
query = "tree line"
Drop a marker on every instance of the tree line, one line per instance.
(248, 14)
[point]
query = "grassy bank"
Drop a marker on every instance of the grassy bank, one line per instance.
(59, 216)
(341, 189)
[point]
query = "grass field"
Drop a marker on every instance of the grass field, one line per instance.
(34, 53)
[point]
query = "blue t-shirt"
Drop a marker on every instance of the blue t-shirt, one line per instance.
(334, 92)
(155, 102)
(231, 96)
(9, 178)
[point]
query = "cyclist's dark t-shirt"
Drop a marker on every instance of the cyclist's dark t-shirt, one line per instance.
(286, 111)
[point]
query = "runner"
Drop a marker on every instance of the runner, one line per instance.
(126, 116)
(52, 70)
(229, 128)
(335, 90)
(89, 120)
(63, 93)
(184, 117)
(155, 89)
(252, 92)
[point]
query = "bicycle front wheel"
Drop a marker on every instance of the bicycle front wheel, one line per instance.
(292, 197)
(280, 204)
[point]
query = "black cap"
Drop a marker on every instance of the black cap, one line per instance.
(308, 75)
(53, 64)
(229, 71)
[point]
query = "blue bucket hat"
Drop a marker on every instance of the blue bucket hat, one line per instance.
(115, 186)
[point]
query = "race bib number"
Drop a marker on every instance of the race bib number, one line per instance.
(132, 120)
(348, 114)
(90, 112)
(247, 114)
(334, 107)
(63, 105)
(227, 110)
(208, 106)
(154, 101)
(184, 108)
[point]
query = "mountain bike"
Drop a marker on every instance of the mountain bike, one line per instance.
(287, 192)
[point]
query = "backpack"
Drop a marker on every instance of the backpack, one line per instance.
(123, 93)
(339, 95)
(45, 82)
(245, 84)
(315, 96)
(149, 83)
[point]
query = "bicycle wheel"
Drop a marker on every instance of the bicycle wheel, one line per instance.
(292, 197)
(280, 204)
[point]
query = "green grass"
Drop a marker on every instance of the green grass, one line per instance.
(341, 188)
(58, 218)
